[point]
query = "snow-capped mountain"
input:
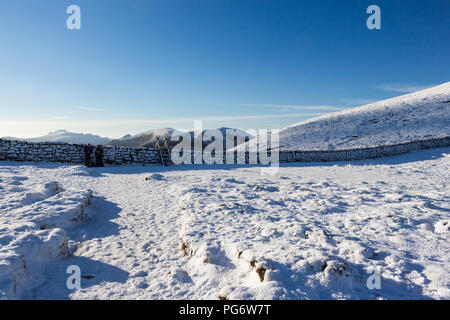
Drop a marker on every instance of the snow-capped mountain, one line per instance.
(420, 115)
(148, 138)
(142, 139)
(68, 137)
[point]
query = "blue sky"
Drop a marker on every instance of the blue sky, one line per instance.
(137, 64)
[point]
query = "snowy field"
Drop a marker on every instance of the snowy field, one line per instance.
(312, 231)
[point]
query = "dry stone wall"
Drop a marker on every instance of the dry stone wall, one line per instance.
(341, 155)
(72, 153)
(363, 153)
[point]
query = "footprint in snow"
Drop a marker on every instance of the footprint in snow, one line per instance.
(48, 190)
(232, 180)
(154, 176)
(17, 189)
(17, 178)
(140, 274)
(142, 285)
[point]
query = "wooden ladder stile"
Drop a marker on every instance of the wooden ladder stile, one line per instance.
(164, 153)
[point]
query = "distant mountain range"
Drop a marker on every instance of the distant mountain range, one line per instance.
(143, 139)
(148, 138)
(67, 137)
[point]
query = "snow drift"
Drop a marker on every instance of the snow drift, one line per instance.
(32, 222)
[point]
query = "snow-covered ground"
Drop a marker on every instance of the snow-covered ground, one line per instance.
(33, 215)
(313, 231)
(420, 115)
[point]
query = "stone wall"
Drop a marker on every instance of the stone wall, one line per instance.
(343, 155)
(72, 153)
(363, 153)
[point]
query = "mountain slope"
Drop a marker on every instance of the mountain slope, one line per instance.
(142, 139)
(67, 137)
(148, 138)
(420, 115)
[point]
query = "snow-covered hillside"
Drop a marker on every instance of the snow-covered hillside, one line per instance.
(207, 232)
(67, 137)
(417, 116)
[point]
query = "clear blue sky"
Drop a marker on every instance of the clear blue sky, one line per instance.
(137, 64)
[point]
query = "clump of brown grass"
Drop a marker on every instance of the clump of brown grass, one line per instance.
(259, 267)
(184, 248)
(261, 271)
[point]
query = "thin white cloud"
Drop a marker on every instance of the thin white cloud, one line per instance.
(89, 108)
(90, 123)
(294, 107)
(402, 87)
(58, 118)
